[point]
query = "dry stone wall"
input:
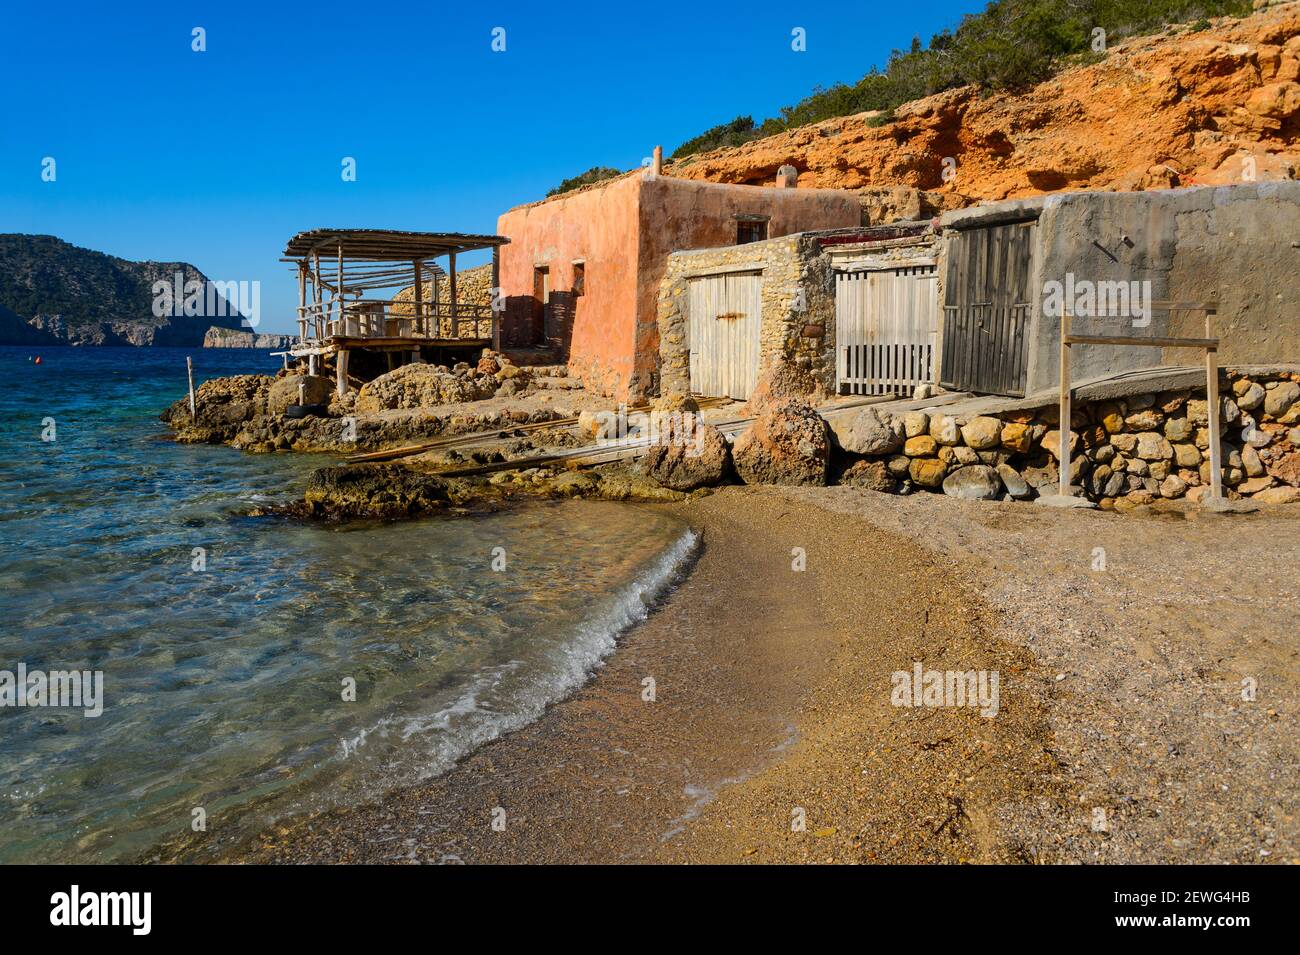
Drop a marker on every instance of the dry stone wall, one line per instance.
(1124, 453)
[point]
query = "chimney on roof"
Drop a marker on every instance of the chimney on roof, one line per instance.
(787, 177)
(658, 165)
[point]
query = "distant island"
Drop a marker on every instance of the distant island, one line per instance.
(56, 293)
(220, 337)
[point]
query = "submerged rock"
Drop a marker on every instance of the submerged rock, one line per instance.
(374, 490)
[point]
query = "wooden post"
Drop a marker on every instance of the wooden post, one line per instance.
(315, 289)
(189, 370)
(419, 294)
(495, 291)
(302, 392)
(343, 325)
(302, 303)
(341, 371)
(451, 289)
(1212, 411)
(1063, 428)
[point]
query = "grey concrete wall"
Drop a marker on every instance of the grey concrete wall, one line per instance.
(1237, 245)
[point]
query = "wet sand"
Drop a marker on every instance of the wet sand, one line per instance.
(771, 709)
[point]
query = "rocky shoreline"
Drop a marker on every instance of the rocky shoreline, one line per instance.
(1140, 450)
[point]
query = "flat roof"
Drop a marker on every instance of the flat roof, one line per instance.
(383, 245)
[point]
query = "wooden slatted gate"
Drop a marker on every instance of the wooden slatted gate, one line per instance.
(885, 326)
(987, 309)
(723, 332)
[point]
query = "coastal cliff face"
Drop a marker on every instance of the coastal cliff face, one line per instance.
(74, 296)
(1207, 106)
(221, 337)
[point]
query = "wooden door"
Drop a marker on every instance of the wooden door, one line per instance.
(987, 308)
(723, 332)
(885, 326)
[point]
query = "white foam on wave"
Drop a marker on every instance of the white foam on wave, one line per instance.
(468, 722)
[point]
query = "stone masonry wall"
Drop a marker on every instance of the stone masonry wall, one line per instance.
(1125, 453)
(797, 325)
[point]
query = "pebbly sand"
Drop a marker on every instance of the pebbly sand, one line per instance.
(1121, 733)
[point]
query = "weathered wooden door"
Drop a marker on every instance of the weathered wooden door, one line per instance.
(723, 332)
(987, 308)
(885, 323)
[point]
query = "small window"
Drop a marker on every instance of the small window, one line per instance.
(749, 231)
(579, 278)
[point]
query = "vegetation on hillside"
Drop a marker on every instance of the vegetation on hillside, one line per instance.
(594, 174)
(1012, 43)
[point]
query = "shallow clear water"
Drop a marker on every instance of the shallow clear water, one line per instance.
(224, 687)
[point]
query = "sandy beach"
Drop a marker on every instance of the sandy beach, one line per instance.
(772, 737)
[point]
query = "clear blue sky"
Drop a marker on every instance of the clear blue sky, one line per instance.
(216, 158)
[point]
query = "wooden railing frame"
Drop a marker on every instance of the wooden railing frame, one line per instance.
(1209, 343)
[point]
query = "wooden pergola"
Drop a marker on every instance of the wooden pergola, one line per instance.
(349, 281)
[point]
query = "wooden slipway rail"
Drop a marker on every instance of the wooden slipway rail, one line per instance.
(630, 448)
(488, 437)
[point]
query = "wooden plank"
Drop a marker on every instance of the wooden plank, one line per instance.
(1063, 428)
(1129, 340)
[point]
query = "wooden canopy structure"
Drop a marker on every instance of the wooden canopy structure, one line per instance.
(349, 288)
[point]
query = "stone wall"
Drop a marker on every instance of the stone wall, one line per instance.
(1126, 452)
(797, 325)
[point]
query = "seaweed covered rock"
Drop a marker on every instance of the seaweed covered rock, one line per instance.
(385, 491)
(786, 444)
(222, 407)
(423, 386)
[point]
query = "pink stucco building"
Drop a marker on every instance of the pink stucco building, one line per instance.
(582, 271)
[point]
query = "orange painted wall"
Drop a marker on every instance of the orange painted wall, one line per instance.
(624, 231)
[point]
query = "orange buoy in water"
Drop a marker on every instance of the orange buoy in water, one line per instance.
(38, 359)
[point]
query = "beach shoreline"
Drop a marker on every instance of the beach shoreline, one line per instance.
(772, 736)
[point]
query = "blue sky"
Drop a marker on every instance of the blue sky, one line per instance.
(216, 158)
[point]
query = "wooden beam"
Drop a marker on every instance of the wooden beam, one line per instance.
(1212, 411)
(495, 291)
(455, 328)
(1063, 427)
(341, 372)
(1131, 340)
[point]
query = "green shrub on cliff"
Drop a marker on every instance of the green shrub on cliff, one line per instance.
(1011, 43)
(594, 174)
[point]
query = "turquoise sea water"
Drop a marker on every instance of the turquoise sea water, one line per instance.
(224, 686)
